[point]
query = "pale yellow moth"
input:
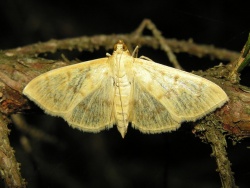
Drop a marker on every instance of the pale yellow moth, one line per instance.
(94, 95)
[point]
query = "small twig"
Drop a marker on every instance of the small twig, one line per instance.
(213, 134)
(10, 169)
(23, 126)
(241, 62)
(89, 43)
(157, 34)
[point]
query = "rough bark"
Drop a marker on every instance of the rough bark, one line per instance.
(10, 169)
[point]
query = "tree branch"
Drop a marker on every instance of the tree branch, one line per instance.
(18, 66)
(210, 131)
(8, 164)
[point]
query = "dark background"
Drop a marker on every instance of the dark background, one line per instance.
(169, 160)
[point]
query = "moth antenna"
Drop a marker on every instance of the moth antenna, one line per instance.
(135, 52)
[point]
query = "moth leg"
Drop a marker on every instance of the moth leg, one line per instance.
(108, 54)
(135, 54)
(146, 58)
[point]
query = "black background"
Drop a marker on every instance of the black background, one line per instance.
(80, 159)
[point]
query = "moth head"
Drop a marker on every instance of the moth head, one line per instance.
(120, 47)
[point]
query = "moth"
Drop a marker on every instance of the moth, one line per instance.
(118, 89)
